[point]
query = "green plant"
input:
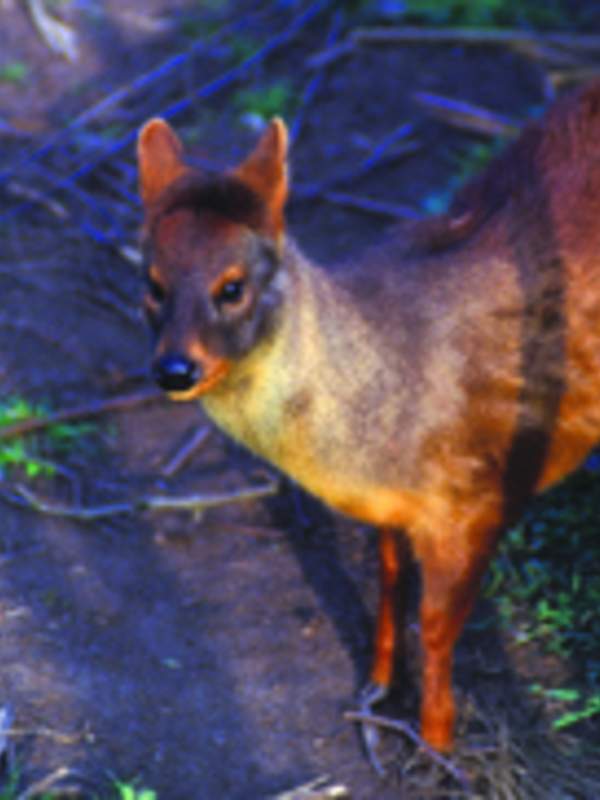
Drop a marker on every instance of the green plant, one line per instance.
(546, 586)
(14, 72)
(266, 102)
(589, 709)
(30, 453)
(10, 785)
(545, 566)
(199, 28)
(11, 789)
(242, 47)
(127, 791)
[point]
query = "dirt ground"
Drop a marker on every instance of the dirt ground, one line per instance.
(214, 657)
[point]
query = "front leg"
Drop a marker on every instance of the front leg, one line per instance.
(393, 556)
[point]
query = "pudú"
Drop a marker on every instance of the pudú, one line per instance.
(428, 386)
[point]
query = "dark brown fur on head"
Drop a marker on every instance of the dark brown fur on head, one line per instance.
(223, 195)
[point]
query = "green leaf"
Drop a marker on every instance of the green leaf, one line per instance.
(564, 695)
(128, 792)
(14, 72)
(266, 102)
(591, 709)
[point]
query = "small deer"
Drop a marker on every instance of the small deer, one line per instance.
(429, 386)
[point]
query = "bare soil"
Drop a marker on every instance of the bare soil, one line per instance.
(214, 657)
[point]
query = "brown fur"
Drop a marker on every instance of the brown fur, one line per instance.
(434, 384)
(225, 196)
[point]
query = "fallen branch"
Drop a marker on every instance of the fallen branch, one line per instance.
(25, 192)
(23, 497)
(399, 726)
(185, 452)
(93, 409)
(313, 191)
(33, 196)
(326, 57)
(123, 96)
(56, 34)
(49, 783)
(314, 84)
(319, 789)
(546, 46)
(403, 131)
(560, 78)
(49, 733)
(467, 116)
(512, 37)
(113, 234)
(227, 79)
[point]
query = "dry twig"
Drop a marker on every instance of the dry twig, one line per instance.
(312, 191)
(25, 192)
(402, 727)
(319, 789)
(467, 116)
(49, 733)
(556, 47)
(511, 37)
(314, 85)
(559, 78)
(23, 497)
(92, 409)
(57, 35)
(33, 196)
(47, 784)
(185, 452)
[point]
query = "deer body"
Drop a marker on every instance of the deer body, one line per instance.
(304, 400)
(337, 402)
(432, 385)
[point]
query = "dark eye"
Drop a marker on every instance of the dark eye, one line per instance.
(157, 292)
(230, 293)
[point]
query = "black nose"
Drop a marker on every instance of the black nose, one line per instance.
(176, 373)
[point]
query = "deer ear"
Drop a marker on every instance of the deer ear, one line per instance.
(265, 172)
(160, 158)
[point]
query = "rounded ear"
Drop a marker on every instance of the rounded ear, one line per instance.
(265, 172)
(160, 158)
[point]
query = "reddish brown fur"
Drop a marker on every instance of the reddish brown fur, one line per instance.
(434, 384)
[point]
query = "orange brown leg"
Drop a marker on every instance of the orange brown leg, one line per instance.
(451, 583)
(393, 555)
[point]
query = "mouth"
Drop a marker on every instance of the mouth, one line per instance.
(201, 387)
